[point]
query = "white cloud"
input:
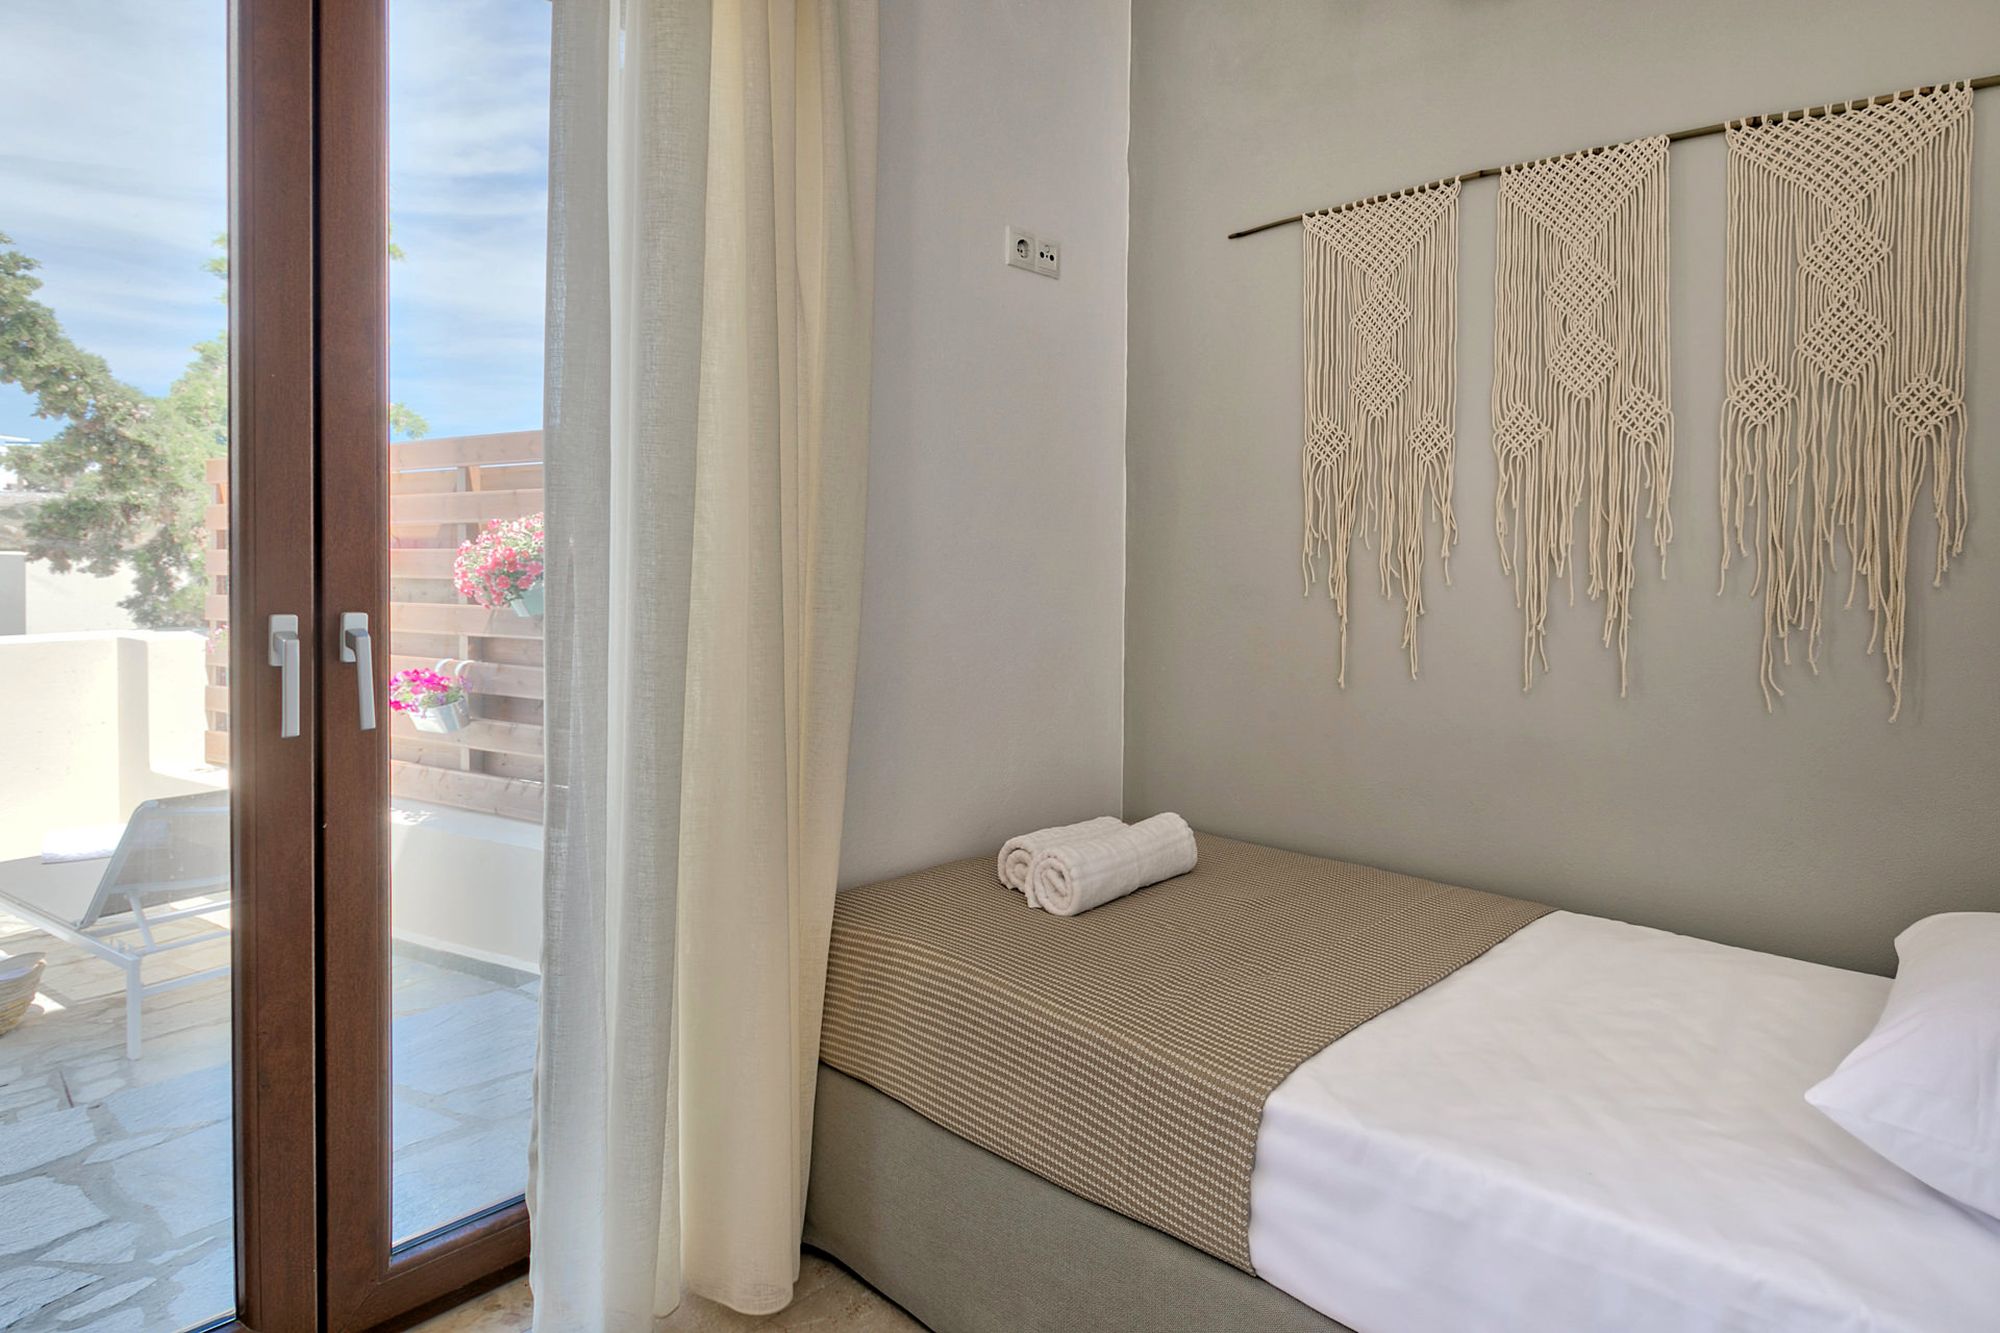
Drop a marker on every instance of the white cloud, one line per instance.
(113, 172)
(113, 152)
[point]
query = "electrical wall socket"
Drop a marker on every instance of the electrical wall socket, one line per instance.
(1048, 258)
(1042, 256)
(1020, 249)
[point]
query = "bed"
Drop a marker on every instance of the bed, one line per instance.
(1575, 1124)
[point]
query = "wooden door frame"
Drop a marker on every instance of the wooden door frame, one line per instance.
(368, 1282)
(273, 780)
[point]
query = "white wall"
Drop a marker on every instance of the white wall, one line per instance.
(1820, 830)
(93, 724)
(467, 883)
(992, 641)
(13, 592)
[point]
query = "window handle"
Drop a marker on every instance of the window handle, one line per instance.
(356, 647)
(284, 651)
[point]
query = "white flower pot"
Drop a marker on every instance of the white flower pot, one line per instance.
(444, 719)
(528, 605)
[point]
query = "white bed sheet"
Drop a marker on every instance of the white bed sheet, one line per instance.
(1598, 1126)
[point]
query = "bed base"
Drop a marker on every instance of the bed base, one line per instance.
(970, 1243)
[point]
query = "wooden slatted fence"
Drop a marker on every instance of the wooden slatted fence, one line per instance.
(441, 492)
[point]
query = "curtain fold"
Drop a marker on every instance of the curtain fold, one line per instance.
(710, 300)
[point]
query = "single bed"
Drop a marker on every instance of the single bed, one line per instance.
(1584, 1125)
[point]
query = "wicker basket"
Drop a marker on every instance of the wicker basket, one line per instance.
(20, 976)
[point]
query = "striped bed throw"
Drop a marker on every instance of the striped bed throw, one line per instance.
(1125, 1054)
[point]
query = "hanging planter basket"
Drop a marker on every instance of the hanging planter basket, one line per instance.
(443, 719)
(502, 566)
(434, 699)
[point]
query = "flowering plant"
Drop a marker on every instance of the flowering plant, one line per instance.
(502, 563)
(420, 689)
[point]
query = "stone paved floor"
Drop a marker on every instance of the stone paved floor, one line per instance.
(115, 1180)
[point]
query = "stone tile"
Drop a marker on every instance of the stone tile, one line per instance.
(465, 1043)
(443, 1180)
(42, 1097)
(506, 1309)
(417, 986)
(117, 1148)
(27, 1289)
(37, 1210)
(411, 1124)
(140, 1150)
(38, 1140)
(185, 1182)
(197, 1098)
(100, 1302)
(166, 1056)
(206, 1287)
(829, 1299)
(510, 1098)
(125, 1319)
(80, 980)
(112, 1243)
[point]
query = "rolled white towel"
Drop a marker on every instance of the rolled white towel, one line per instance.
(1072, 877)
(1019, 853)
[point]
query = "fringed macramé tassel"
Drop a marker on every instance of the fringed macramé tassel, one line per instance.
(1332, 475)
(1581, 379)
(1848, 244)
(1381, 283)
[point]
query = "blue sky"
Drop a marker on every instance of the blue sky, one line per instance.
(113, 146)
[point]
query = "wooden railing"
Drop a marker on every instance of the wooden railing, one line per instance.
(440, 493)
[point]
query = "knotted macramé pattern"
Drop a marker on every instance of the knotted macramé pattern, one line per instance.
(1581, 378)
(1849, 233)
(1381, 287)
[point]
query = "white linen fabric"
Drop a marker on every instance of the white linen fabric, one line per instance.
(1601, 1128)
(1924, 1088)
(1017, 854)
(711, 246)
(1071, 877)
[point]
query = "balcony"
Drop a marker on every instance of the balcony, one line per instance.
(115, 1111)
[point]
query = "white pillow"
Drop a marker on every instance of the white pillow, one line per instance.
(1924, 1089)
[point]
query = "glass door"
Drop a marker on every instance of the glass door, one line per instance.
(157, 785)
(432, 222)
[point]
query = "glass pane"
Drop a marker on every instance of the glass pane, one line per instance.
(115, 1139)
(468, 203)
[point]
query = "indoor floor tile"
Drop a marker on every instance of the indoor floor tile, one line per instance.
(829, 1299)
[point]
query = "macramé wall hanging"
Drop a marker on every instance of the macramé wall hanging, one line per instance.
(1580, 378)
(1845, 353)
(1848, 243)
(1381, 302)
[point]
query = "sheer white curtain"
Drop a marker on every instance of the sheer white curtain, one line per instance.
(712, 167)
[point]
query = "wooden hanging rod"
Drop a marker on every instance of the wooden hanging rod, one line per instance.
(1830, 109)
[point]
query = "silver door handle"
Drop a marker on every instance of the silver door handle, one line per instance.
(356, 647)
(285, 656)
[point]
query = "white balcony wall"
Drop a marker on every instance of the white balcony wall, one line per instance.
(92, 724)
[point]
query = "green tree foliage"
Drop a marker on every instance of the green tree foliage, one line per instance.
(125, 471)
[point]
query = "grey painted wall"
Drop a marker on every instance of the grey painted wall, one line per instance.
(992, 634)
(1818, 832)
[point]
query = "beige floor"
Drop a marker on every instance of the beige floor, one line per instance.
(829, 1300)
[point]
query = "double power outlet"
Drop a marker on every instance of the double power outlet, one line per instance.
(1036, 255)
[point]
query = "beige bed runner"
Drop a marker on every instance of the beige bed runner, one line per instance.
(1125, 1054)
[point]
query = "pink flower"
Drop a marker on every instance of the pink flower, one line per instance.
(503, 562)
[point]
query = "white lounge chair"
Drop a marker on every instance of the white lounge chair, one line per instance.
(171, 863)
